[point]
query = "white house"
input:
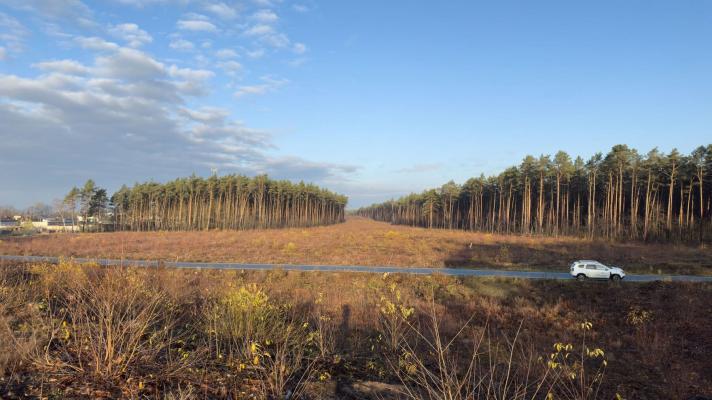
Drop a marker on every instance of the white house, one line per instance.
(55, 225)
(9, 224)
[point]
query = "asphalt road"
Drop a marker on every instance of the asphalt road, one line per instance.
(352, 268)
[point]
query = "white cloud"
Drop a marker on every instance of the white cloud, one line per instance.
(189, 74)
(131, 34)
(226, 54)
(56, 31)
(206, 114)
(266, 3)
(123, 115)
(266, 34)
(300, 8)
(181, 44)
(127, 114)
(230, 67)
(298, 168)
(69, 67)
(12, 33)
(95, 43)
(277, 40)
(257, 53)
(144, 3)
(70, 10)
(270, 85)
(196, 16)
(197, 25)
(265, 16)
(259, 30)
(299, 48)
(221, 10)
(130, 64)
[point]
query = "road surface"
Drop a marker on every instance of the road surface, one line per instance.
(351, 268)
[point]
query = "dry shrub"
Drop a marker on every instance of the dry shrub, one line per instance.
(7, 356)
(282, 364)
(324, 334)
(241, 317)
(226, 342)
(469, 364)
(260, 339)
(290, 247)
(180, 393)
(503, 255)
(391, 235)
(21, 332)
(576, 374)
(465, 365)
(107, 323)
(394, 313)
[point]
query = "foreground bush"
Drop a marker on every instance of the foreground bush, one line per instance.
(89, 332)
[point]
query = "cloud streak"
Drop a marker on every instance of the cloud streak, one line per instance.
(126, 116)
(196, 25)
(118, 114)
(270, 84)
(222, 10)
(131, 34)
(12, 35)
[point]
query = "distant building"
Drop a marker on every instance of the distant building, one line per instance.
(7, 224)
(55, 225)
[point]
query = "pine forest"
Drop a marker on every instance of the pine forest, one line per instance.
(194, 203)
(622, 194)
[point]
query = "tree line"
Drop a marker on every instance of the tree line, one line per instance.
(195, 203)
(621, 194)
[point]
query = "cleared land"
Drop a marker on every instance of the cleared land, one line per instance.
(73, 331)
(360, 241)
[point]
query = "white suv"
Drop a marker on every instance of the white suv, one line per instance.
(583, 269)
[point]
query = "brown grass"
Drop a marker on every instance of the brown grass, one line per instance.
(364, 242)
(71, 331)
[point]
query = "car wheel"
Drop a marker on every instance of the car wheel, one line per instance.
(616, 278)
(580, 277)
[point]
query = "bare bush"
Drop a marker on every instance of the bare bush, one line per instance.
(21, 331)
(107, 323)
(259, 338)
(394, 313)
(85, 331)
(323, 335)
(436, 367)
(577, 376)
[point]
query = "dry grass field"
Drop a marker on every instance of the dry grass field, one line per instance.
(72, 331)
(360, 241)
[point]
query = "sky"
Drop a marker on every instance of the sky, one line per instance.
(372, 99)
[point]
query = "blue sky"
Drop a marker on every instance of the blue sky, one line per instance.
(372, 99)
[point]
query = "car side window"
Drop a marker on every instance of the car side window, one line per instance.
(590, 266)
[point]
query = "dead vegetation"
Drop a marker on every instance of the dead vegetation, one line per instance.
(73, 331)
(361, 241)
